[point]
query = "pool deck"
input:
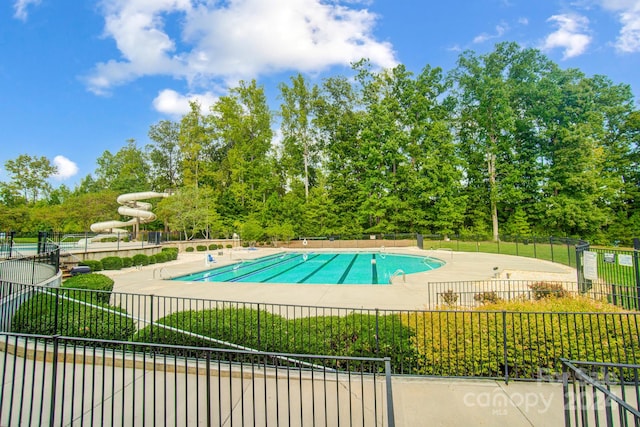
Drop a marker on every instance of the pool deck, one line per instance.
(411, 294)
(417, 401)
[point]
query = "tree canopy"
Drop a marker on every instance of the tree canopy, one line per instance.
(505, 143)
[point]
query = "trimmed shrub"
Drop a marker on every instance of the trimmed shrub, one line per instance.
(170, 253)
(94, 265)
(449, 297)
(127, 262)
(140, 259)
(213, 246)
(490, 297)
(161, 257)
(189, 249)
(352, 335)
(548, 290)
(201, 248)
(81, 317)
(229, 246)
(537, 335)
(94, 282)
(111, 263)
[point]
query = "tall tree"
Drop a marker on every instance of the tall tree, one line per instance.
(192, 140)
(241, 122)
(494, 130)
(164, 154)
(124, 172)
(29, 174)
(300, 144)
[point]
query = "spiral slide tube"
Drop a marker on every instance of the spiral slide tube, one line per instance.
(131, 206)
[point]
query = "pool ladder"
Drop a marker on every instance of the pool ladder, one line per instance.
(396, 274)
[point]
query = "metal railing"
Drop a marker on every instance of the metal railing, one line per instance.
(600, 393)
(493, 344)
(38, 268)
(56, 380)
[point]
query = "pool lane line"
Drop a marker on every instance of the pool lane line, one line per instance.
(323, 265)
(217, 271)
(347, 270)
(288, 269)
(374, 269)
(263, 269)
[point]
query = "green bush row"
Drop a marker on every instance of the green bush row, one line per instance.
(357, 334)
(79, 309)
(203, 248)
(473, 343)
(117, 263)
(94, 282)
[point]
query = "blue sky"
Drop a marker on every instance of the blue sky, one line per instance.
(81, 77)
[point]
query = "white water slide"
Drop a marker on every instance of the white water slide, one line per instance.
(131, 206)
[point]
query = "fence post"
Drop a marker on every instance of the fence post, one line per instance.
(56, 318)
(517, 248)
(504, 345)
(377, 332)
(391, 422)
(151, 318)
(551, 244)
(54, 377)
(33, 270)
(582, 282)
(636, 268)
(259, 334)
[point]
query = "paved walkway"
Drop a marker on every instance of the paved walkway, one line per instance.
(417, 401)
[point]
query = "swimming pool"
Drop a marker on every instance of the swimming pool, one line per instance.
(354, 268)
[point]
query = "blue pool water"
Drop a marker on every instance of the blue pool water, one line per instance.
(361, 268)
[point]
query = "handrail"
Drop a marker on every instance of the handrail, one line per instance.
(159, 270)
(396, 274)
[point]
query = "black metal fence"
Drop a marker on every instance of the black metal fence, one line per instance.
(479, 293)
(610, 272)
(55, 380)
(555, 249)
(42, 265)
(600, 393)
(493, 344)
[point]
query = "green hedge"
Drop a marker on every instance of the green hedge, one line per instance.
(473, 343)
(127, 262)
(94, 282)
(94, 265)
(171, 253)
(112, 263)
(140, 260)
(189, 249)
(45, 314)
(201, 248)
(352, 335)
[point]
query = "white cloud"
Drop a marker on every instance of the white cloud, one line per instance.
(571, 36)
(236, 39)
(174, 104)
(66, 168)
(629, 15)
(500, 30)
(20, 8)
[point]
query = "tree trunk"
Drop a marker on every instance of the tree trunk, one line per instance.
(491, 167)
